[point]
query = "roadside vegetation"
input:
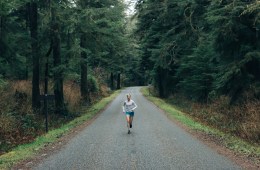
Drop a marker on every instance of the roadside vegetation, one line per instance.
(204, 57)
(74, 50)
(28, 150)
(19, 124)
(193, 116)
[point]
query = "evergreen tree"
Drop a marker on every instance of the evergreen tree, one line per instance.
(199, 47)
(33, 19)
(235, 42)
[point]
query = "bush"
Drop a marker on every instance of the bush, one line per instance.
(7, 123)
(2, 82)
(93, 84)
(73, 77)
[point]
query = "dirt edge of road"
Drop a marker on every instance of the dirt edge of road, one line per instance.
(214, 143)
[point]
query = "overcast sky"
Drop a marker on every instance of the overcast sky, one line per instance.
(130, 6)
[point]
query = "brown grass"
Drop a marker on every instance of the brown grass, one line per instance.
(104, 90)
(72, 95)
(19, 124)
(250, 127)
(23, 86)
(15, 106)
(242, 120)
(7, 123)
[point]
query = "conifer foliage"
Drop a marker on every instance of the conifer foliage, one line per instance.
(63, 35)
(201, 48)
(68, 48)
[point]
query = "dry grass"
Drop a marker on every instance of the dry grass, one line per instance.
(19, 124)
(7, 123)
(242, 120)
(23, 86)
(104, 90)
(7, 110)
(15, 111)
(72, 95)
(250, 127)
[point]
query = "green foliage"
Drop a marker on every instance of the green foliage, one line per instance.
(103, 21)
(55, 39)
(199, 47)
(29, 124)
(92, 84)
(199, 85)
(3, 83)
(13, 32)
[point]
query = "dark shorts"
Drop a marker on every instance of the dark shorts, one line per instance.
(130, 114)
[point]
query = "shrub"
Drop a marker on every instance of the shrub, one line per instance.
(92, 84)
(7, 123)
(2, 82)
(250, 126)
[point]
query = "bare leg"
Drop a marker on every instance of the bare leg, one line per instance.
(131, 119)
(128, 121)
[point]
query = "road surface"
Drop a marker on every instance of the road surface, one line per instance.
(155, 143)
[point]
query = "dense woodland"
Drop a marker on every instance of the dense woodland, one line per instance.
(76, 50)
(204, 56)
(198, 53)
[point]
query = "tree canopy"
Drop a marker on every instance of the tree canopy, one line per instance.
(200, 48)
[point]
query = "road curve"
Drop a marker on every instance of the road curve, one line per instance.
(155, 142)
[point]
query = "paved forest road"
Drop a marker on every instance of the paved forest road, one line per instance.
(155, 143)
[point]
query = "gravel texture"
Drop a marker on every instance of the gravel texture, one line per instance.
(155, 142)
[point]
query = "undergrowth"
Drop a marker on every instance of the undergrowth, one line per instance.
(19, 124)
(28, 150)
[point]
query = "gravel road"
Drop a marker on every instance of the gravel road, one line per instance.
(155, 142)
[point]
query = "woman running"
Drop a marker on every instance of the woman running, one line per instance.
(128, 108)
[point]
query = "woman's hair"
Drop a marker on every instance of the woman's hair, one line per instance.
(128, 95)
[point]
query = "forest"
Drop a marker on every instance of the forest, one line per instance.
(204, 56)
(201, 55)
(74, 50)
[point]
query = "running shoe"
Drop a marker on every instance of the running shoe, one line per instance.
(128, 131)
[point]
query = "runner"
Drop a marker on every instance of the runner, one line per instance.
(128, 108)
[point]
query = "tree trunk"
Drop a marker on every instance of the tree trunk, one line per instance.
(112, 81)
(118, 81)
(162, 80)
(36, 65)
(26, 76)
(68, 49)
(1, 35)
(1, 28)
(58, 78)
(84, 68)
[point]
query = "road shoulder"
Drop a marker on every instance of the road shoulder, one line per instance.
(213, 141)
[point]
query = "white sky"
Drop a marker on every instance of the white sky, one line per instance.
(130, 6)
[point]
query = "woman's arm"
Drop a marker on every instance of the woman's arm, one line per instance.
(135, 106)
(123, 107)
